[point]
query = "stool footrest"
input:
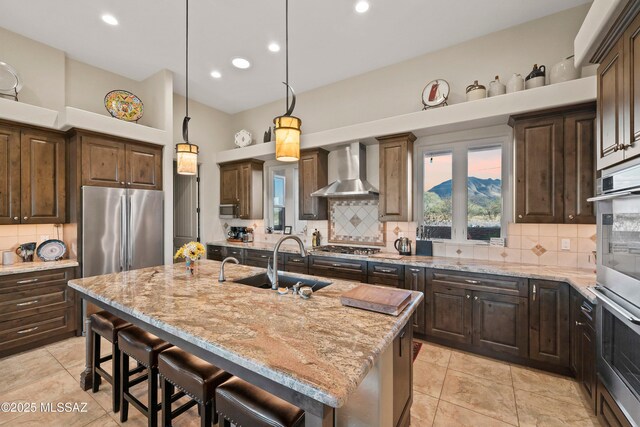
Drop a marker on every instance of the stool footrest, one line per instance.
(106, 358)
(137, 370)
(138, 380)
(137, 404)
(183, 408)
(104, 374)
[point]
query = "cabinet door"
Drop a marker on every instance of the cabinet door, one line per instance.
(402, 376)
(449, 313)
(500, 323)
(415, 280)
(9, 175)
(579, 167)
(103, 162)
(607, 409)
(144, 167)
(611, 108)
(244, 192)
(549, 333)
(312, 176)
(395, 177)
(229, 184)
(632, 91)
(586, 363)
(539, 170)
(42, 178)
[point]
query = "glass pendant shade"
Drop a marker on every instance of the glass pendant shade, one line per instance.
(287, 138)
(187, 158)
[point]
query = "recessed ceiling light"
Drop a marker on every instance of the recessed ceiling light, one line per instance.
(274, 47)
(216, 74)
(241, 63)
(110, 19)
(362, 6)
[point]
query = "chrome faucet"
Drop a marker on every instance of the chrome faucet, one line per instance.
(272, 273)
(224, 261)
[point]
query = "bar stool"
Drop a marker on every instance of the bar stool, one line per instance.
(144, 348)
(246, 405)
(195, 378)
(106, 325)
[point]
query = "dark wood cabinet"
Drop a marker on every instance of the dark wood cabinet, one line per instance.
(33, 183)
(611, 107)
(608, 412)
(631, 146)
(295, 263)
(9, 175)
(241, 184)
(549, 332)
(415, 280)
(36, 308)
(500, 323)
(583, 345)
(113, 162)
(385, 274)
(349, 269)
(257, 258)
(449, 313)
(312, 176)
(555, 165)
(403, 376)
(215, 253)
(396, 153)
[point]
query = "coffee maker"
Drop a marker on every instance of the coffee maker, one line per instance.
(236, 233)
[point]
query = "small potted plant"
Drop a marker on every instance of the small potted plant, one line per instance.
(191, 252)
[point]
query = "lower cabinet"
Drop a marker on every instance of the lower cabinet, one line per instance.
(500, 323)
(549, 333)
(36, 308)
(385, 274)
(608, 412)
(338, 268)
(296, 263)
(403, 376)
(449, 313)
(415, 279)
(583, 345)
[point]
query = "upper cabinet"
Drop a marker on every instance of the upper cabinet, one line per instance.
(112, 162)
(241, 184)
(619, 97)
(312, 176)
(555, 171)
(396, 190)
(32, 176)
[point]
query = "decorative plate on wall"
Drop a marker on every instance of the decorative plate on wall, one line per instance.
(10, 83)
(243, 138)
(435, 93)
(51, 250)
(124, 105)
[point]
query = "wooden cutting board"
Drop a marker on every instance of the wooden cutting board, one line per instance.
(388, 301)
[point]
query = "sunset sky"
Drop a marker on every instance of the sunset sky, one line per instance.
(483, 163)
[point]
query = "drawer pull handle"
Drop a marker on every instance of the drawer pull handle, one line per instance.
(296, 260)
(22, 304)
(415, 270)
(475, 298)
(468, 296)
(24, 331)
(22, 282)
(263, 256)
(580, 323)
(336, 265)
(534, 292)
(386, 270)
(586, 310)
(473, 282)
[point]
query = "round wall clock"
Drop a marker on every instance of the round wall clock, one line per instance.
(435, 93)
(243, 138)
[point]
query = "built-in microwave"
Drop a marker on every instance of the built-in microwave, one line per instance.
(228, 211)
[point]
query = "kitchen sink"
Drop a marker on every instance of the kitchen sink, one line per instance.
(262, 281)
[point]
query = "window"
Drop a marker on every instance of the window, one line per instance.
(463, 186)
(280, 200)
(279, 192)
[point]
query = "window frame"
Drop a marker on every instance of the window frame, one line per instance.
(459, 147)
(269, 172)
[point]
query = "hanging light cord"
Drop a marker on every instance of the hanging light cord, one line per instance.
(286, 44)
(185, 123)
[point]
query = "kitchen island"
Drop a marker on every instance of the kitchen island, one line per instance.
(334, 362)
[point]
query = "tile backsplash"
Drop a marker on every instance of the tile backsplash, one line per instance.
(355, 221)
(13, 235)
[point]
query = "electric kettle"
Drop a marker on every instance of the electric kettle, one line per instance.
(403, 246)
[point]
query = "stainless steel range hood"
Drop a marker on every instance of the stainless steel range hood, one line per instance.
(352, 171)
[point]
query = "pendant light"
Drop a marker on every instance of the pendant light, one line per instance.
(187, 153)
(287, 127)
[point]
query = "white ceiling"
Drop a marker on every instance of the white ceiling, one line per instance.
(329, 41)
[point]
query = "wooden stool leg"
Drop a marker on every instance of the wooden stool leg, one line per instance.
(205, 414)
(124, 387)
(96, 362)
(167, 392)
(214, 414)
(153, 397)
(115, 374)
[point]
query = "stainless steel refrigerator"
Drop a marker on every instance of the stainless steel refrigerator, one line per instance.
(122, 229)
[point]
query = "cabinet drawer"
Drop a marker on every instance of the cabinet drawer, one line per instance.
(385, 274)
(234, 252)
(215, 253)
(13, 282)
(261, 256)
(587, 314)
(482, 282)
(30, 302)
(31, 329)
(296, 263)
(338, 268)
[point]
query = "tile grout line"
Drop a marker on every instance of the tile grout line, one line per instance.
(515, 398)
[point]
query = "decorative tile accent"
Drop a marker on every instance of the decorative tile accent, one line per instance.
(396, 230)
(355, 222)
(538, 249)
(503, 255)
(458, 251)
(594, 237)
(225, 225)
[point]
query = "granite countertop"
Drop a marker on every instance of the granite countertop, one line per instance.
(287, 246)
(578, 278)
(26, 267)
(316, 347)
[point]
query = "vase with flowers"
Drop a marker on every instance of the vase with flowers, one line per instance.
(191, 252)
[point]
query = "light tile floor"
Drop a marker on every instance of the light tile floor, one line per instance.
(451, 388)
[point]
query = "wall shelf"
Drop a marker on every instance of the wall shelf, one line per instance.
(457, 117)
(28, 114)
(76, 118)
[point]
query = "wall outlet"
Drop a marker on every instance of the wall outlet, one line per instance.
(565, 244)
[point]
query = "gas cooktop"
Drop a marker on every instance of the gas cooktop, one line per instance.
(352, 250)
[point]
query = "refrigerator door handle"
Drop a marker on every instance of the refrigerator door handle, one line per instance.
(123, 231)
(129, 234)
